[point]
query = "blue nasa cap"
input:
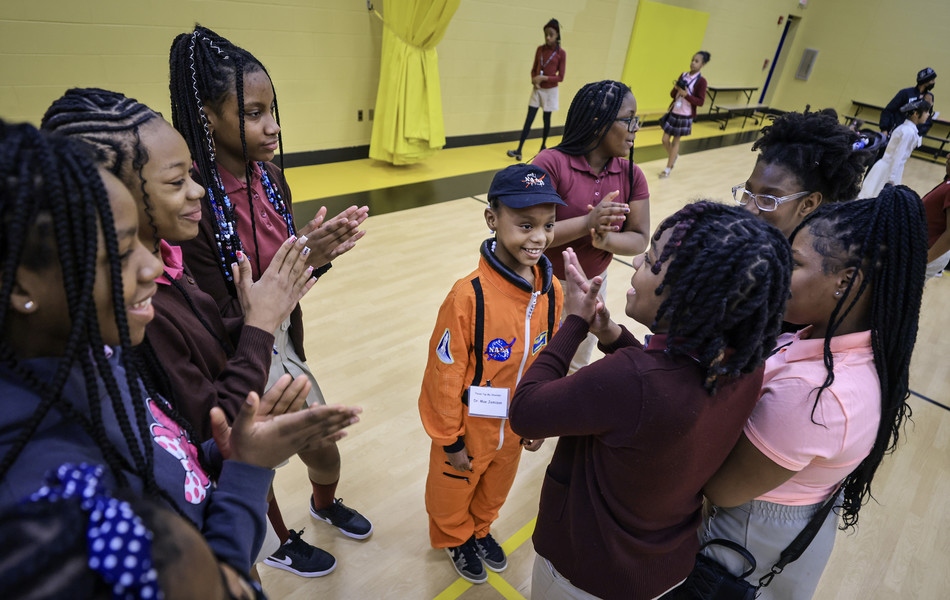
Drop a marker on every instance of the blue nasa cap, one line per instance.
(521, 186)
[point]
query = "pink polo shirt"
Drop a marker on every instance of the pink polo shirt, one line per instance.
(579, 186)
(846, 418)
(271, 227)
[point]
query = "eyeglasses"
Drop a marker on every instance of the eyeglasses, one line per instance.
(633, 123)
(765, 202)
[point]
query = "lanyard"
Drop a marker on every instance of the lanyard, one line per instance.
(544, 64)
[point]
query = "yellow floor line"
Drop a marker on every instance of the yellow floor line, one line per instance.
(460, 586)
(512, 543)
(504, 588)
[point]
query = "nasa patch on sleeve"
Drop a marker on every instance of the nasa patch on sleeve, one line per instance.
(443, 350)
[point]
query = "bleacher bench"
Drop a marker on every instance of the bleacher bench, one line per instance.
(723, 112)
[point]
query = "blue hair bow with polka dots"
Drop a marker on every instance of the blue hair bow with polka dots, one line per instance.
(119, 544)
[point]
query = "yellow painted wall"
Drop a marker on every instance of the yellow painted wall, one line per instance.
(486, 55)
(868, 50)
(324, 54)
(650, 73)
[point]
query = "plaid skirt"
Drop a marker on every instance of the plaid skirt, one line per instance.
(676, 125)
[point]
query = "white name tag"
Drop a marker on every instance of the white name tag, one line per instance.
(488, 402)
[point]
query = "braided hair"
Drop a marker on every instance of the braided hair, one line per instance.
(44, 554)
(728, 278)
(110, 123)
(590, 117)
(50, 189)
(204, 73)
(818, 150)
(886, 239)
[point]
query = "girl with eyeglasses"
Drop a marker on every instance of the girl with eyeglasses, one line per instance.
(805, 160)
(688, 94)
(608, 208)
(833, 398)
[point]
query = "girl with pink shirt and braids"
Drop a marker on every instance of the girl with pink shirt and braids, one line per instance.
(834, 394)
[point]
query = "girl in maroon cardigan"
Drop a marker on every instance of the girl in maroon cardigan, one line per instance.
(547, 71)
(225, 106)
(642, 429)
(208, 360)
(688, 93)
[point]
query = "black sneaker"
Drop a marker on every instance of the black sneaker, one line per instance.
(515, 154)
(300, 558)
(491, 553)
(348, 521)
(466, 562)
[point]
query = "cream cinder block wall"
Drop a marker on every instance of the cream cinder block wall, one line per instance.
(322, 54)
(485, 58)
(867, 51)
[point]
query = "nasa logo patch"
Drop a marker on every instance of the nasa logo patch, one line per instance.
(442, 350)
(500, 350)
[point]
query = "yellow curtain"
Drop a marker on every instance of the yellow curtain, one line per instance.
(408, 126)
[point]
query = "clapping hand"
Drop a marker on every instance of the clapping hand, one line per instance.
(329, 239)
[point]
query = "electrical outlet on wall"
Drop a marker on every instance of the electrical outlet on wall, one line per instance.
(359, 115)
(371, 113)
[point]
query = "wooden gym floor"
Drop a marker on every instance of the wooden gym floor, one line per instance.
(368, 324)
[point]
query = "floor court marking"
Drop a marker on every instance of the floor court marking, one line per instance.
(460, 586)
(922, 397)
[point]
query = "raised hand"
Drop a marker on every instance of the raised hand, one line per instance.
(329, 239)
(608, 216)
(268, 441)
(287, 279)
(580, 295)
(285, 396)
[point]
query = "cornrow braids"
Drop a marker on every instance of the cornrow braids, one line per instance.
(728, 278)
(590, 117)
(45, 553)
(204, 72)
(886, 239)
(50, 190)
(110, 123)
(817, 149)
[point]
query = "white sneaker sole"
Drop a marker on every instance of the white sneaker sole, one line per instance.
(355, 536)
(308, 574)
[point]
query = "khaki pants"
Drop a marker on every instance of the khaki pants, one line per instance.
(285, 360)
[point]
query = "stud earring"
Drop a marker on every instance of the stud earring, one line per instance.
(838, 293)
(29, 305)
